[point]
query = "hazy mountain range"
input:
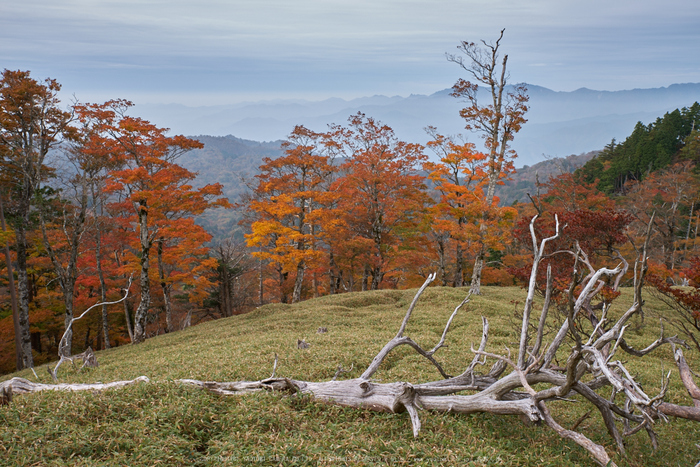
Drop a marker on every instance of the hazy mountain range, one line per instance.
(559, 123)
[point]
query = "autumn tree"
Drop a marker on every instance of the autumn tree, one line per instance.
(31, 123)
(591, 223)
(182, 256)
(155, 190)
(670, 195)
(290, 195)
(101, 236)
(496, 121)
(459, 178)
(382, 197)
(66, 218)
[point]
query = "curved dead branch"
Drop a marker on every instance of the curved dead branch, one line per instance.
(62, 344)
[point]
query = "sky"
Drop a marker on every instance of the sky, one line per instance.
(210, 52)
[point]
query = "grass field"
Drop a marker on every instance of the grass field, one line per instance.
(166, 423)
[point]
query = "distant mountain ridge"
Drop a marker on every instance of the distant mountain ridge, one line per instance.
(559, 123)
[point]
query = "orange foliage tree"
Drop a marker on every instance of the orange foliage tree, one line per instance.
(287, 206)
(459, 179)
(155, 195)
(381, 198)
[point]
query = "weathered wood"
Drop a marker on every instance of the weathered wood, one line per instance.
(687, 377)
(24, 386)
(88, 360)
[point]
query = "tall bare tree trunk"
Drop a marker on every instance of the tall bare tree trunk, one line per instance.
(165, 287)
(23, 285)
(145, 303)
(475, 286)
(498, 121)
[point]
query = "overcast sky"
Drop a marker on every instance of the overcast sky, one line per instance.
(225, 51)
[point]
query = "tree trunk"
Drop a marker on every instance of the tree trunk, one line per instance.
(19, 361)
(282, 278)
(127, 317)
(377, 277)
(442, 264)
(225, 291)
(459, 266)
(165, 287)
(298, 282)
(103, 288)
(145, 303)
(23, 293)
(475, 286)
(127, 314)
(261, 290)
(67, 349)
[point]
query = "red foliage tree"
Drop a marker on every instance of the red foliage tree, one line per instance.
(590, 224)
(382, 197)
(156, 194)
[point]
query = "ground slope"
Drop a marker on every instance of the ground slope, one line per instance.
(169, 424)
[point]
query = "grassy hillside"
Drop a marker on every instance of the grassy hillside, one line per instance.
(164, 423)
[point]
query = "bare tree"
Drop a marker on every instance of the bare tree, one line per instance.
(497, 121)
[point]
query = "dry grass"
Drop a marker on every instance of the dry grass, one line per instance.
(164, 423)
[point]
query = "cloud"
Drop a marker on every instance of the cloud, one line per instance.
(344, 47)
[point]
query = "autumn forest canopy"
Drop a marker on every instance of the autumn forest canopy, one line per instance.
(97, 210)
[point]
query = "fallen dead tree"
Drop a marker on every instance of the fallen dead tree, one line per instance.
(16, 386)
(508, 387)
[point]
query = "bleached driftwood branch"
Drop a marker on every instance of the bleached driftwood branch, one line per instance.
(24, 386)
(87, 361)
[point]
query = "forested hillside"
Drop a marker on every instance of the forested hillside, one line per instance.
(525, 179)
(229, 161)
(352, 208)
(109, 223)
(675, 137)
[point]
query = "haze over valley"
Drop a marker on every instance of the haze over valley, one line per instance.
(559, 123)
